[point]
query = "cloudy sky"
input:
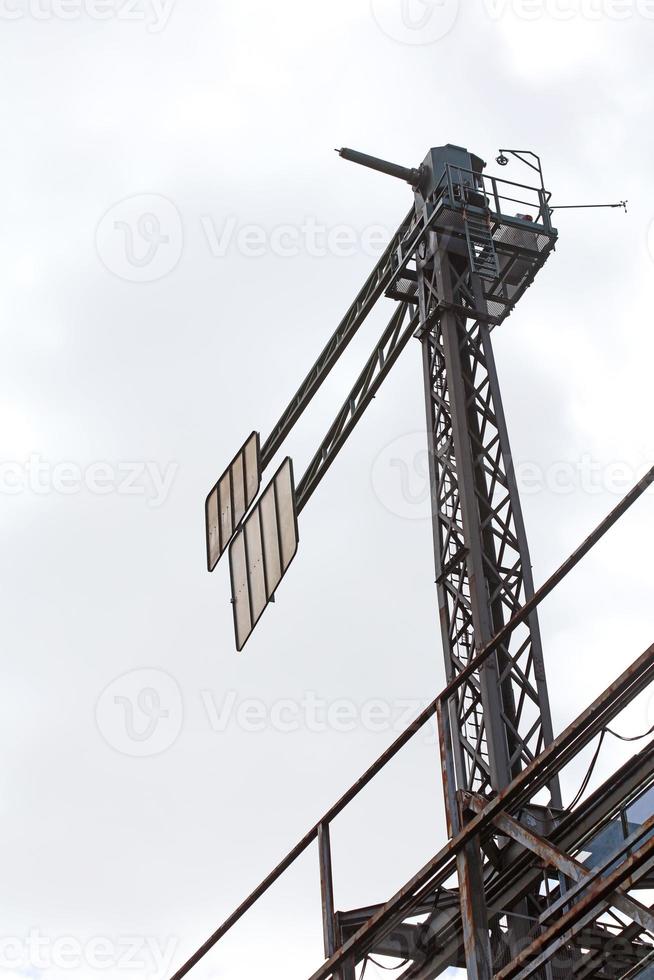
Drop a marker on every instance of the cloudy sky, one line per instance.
(179, 240)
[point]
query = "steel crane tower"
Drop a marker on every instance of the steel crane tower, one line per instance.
(528, 899)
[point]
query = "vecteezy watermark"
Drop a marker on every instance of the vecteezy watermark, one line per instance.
(401, 480)
(39, 476)
(141, 238)
(141, 713)
(155, 14)
(568, 10)
(400, 477)
(415, 21)
(288, 241)
(36, 952)
(310, 713)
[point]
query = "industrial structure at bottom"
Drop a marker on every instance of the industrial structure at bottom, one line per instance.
(528, 885)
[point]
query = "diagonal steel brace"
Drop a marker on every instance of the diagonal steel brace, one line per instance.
(562, 862)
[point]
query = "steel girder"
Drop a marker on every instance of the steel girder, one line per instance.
(441, 941)
(494, 719)
(389, 347)
(501, 716)
(483, 570)
(438, 943)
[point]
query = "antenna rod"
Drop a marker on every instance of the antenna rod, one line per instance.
(412, 175)
(560, 207)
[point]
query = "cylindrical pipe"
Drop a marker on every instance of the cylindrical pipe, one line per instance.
(410, 174)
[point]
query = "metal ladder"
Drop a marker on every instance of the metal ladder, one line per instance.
(481, 248)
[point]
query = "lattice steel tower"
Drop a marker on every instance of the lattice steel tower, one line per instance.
(456, 267)
(471, 270)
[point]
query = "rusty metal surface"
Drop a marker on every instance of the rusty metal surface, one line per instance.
(327, 889)
(461, 259)
(571, 868)
(520, 873)
(441, 867)
(592, 902)
(634, 677)
(638, 676)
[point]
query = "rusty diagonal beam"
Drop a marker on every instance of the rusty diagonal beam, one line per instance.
(597, 895)
(551, 855)
(551, 760)
(415, 726)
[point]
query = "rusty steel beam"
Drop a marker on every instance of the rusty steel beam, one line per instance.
(639, 673)
(442, 932)
(564, 748)
(592, 902)
(474, 915)
(601, 870)
(595, 959)
(567, 865)
(435, 707)
(327, 889)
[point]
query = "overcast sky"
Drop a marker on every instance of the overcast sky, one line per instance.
(179, 240)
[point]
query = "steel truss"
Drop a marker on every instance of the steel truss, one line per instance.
(599, 931)
(524, 888)
(389, 347)
(501, 714)
(483, 570)
(543, 850)
(440, 941)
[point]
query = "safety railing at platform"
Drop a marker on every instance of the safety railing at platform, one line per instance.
(497, 192)
(535, 776)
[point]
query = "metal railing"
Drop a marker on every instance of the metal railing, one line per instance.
(559, 753)
(497, 192)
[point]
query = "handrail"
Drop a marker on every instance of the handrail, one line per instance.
(481, 182)
(436, 706)
(523, 787)
(309, 837)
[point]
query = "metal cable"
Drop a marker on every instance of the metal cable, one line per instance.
(369, 959)
(630, 738)
(591, 770)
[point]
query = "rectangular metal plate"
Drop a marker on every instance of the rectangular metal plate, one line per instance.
(262, 550)
(230, 498)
